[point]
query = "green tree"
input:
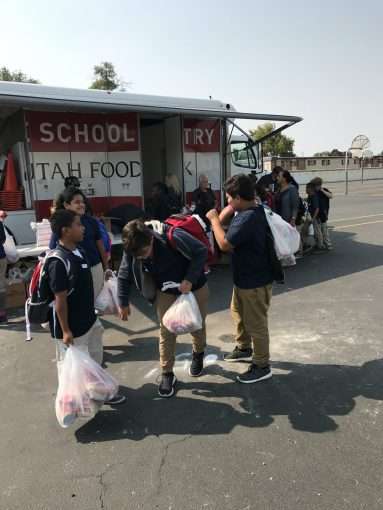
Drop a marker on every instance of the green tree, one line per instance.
(105, 77)
(7, 75)
(324, 154)
(276, 145)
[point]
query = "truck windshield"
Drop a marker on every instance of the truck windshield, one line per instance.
(243, 155)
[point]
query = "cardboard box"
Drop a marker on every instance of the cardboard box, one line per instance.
(16, 295)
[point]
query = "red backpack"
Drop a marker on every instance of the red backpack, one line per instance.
(194, 226)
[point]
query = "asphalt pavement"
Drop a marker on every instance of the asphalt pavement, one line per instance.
(308, 439)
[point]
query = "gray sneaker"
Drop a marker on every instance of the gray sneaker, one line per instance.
(239, 355)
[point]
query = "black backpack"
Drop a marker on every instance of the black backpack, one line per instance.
(301, 212)
(40, 295)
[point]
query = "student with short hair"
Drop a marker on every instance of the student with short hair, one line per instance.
(72, 318)
(247, 239)
(314, 210)
(324, 197)
(270, 181)
(149, 254)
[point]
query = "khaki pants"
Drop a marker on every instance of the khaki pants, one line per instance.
(168, 339)
(98, 279)
(249, 309)
(318, 233)
(3, 285)
(325, 235)
(92, 341)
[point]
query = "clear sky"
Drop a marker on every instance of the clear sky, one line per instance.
(320, 60)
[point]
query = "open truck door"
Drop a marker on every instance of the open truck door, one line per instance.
(244, 154)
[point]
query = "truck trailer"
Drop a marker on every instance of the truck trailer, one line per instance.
(118, 145)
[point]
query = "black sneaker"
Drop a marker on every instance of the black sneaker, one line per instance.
(255, 374)
(116, 401)
(239, 355)
(196, 366)
(167, 385)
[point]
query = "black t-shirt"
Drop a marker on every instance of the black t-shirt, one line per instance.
(159, 208)
(324, 205)
(313, 203)
(204, 201)
(268, 182)
(251, 262)
(81, 314)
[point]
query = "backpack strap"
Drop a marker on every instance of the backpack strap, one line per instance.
(59, 254)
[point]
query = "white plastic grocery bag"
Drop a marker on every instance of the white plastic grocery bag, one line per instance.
(10, 248)
(107, 300)
(184, 315)
(286, 237)
(83, 387)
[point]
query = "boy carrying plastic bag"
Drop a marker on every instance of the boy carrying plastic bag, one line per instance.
(83, 386)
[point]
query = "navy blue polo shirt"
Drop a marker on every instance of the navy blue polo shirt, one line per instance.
(88, 244)
(81, 314)
(251, 264)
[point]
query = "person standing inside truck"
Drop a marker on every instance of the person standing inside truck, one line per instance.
(203, 198)
(73, 199)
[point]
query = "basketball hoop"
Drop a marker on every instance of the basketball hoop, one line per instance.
(358, 145)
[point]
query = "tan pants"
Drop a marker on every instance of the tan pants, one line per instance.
(325, 235)
(168, 339)
(3, 285)
(249, 309)
(92, 341)
(322, 236)
(98, 279)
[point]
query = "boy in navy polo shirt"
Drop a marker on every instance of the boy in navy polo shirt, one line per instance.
(252, 275)
(73, 319)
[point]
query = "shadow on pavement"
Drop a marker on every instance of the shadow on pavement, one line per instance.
(309, 395)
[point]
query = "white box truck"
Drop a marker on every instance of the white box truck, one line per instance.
(118, 145)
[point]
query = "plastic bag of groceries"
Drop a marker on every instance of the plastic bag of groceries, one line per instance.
(184, 315)
(286, 237)
(10, 248)
(83, 387)
(107, 300)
